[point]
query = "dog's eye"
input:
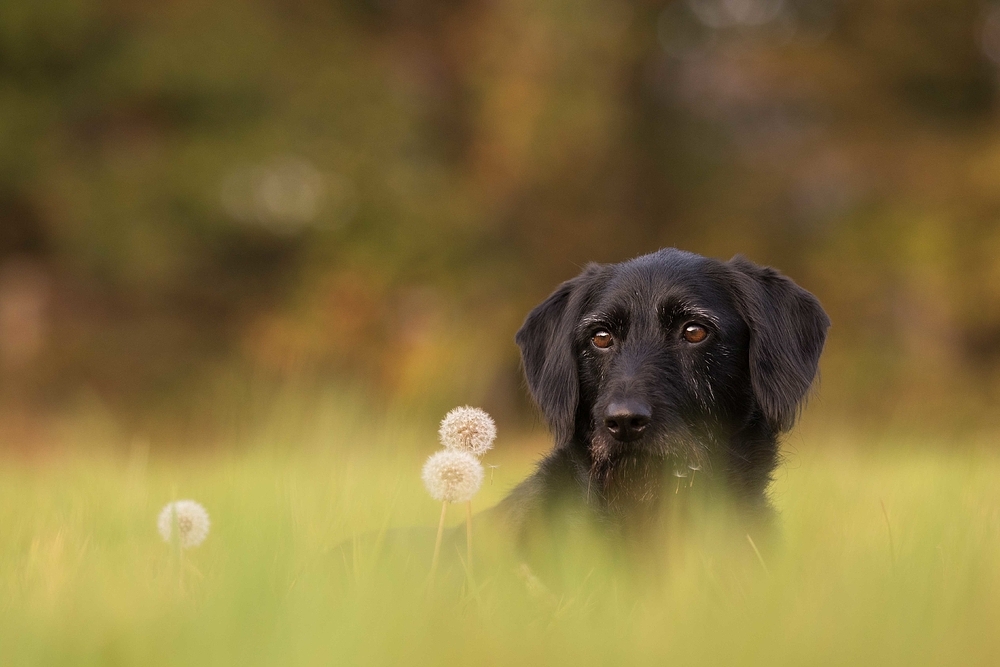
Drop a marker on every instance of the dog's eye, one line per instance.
(695, 333)
(602, 339)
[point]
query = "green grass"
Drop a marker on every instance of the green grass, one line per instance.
(85, 578)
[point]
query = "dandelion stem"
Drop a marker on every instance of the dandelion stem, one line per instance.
(437, 542)
(175, 547)
(888, 527)
(759, 557)
(468, 537)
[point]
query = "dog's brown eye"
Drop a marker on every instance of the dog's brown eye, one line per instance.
(602, 339)
(695, 333)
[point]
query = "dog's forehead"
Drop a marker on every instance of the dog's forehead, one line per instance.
(666, 275)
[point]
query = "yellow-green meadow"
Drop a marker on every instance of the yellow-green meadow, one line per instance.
(889, 554)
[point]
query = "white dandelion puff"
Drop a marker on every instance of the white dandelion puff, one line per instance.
(191, 520)
(468, 429)
(452, 476)
(679, 474)
(693, 467)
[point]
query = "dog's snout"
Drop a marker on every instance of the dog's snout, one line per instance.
(626, 420)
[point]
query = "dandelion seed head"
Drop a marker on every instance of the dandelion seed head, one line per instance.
(453, 476)
(468, 429)
(191, 520)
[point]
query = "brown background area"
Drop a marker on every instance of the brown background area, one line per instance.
(200, 202)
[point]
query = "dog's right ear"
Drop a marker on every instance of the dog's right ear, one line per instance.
(547, 342)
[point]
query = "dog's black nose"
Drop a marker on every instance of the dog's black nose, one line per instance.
(626, 420)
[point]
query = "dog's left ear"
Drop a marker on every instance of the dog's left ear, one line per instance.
(787, 332)
(548, 353)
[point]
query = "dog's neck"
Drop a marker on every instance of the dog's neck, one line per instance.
(636, 488)
(627, 490)
(626, 480)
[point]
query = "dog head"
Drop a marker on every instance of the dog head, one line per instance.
(669, 353)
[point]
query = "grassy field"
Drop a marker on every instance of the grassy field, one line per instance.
(887, 557)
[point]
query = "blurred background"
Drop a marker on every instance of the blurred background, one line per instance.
(204, 205)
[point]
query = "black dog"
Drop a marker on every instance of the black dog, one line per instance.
(667, 364)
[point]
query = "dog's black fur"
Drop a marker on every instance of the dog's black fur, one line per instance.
(716, 406)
